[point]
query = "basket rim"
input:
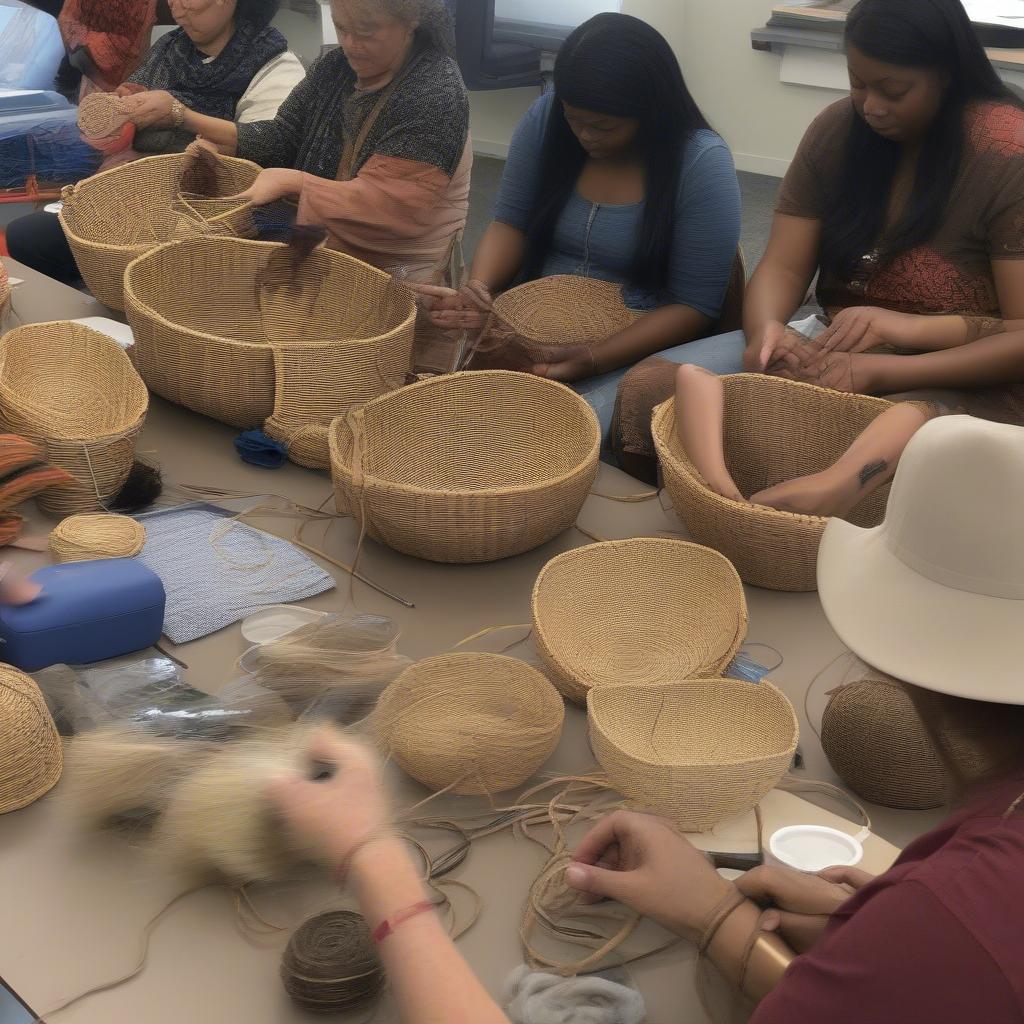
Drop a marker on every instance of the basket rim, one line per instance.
(339, 467)
(266, 346)
(594, 722)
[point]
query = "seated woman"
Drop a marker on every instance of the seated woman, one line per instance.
(615, 175)
(224, 59)
(907, 198)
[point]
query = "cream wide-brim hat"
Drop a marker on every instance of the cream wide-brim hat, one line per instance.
(935, 595)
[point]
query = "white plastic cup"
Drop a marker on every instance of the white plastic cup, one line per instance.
(812, 848)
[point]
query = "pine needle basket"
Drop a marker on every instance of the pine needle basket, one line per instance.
(115, 216)
(208, 334)
(477, 723)
(31, 758)
(643, 611)
(697, 751)
(467, 467)
(73, 392)
(565, 309)
(774, 430)
(96, 535)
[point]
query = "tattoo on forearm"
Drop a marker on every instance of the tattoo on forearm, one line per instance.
(983, 327)
(871, 470)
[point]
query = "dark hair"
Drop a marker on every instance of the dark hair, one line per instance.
(259, 13)
(618, 65)
(934, 34)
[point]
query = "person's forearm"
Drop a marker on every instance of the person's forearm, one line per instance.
(937, 333)
(756, 968)
(499, 256)
(653, 332)
(431, 981)
(773, 295)
(223, 134)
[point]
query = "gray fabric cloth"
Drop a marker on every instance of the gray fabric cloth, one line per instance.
(216, 571)
(539, 998)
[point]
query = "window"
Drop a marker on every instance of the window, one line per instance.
(553, 12)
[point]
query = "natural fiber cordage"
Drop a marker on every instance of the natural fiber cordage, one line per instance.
(31, 759)
(331, 964)
(96, 535)
(104, 122)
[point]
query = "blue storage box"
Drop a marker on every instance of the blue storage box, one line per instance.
(88, 611)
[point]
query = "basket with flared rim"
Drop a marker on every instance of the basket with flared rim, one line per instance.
(223, 328)
(565, 309)
(467, 467)
(645, 610)
(31, 758)
(774, 430)
(73, 392)
(697, 751)
(479, 723)
(117, 215)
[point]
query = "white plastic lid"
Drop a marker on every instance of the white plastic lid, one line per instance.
(814, 847)
(277, 620)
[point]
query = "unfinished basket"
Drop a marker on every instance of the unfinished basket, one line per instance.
(565, 310)
(469, 723)
(774, 430)
(96, 535)
(117, 215)
(468, 467)
(696, 751)
(209, 330)
(73, 392)
(641, 611)
(31, 759)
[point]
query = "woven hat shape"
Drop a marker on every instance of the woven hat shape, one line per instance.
(565, 309)
(117, 215)
(641, 611)
(31, 759)
(210, 329)
(102, 115)
(774, 430)
(74, 393)
(697, 751)
(96, 535)
(467, 467)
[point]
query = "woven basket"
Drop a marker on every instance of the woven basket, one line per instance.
(565, 310)
(31, 759)
(96, 535)
(636, 611)
(207, 335)
(5, 297)
(774, 430)
(75, 394)
(468, 467)
(117, 215)
(478, 723)
(697, 751)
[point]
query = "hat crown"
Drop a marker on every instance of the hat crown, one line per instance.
(957, 503)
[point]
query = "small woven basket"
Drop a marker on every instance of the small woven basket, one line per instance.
(212, 335)
(74, 393)
(468, 467)
(96, 535)
(774, 430)
(115, 216)
(477, 723)
(636, 611)
(697, 751)
(565, 310)
(31, 759)
(5, 297)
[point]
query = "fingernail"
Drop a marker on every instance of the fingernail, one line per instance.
(575, 876)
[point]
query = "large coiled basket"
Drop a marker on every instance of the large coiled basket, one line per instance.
(73, 392)
(31, 758)
(5, 297)
(646, 610)
(696, 751)
(774, 430)
(468, 467)
(115, 216)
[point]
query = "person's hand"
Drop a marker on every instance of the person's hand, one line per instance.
(800, 905)
(129, 89)
(15, 587)
(834, 370)
(643, 862)
(465, 309)
(760, 353)
(332, 817)
(563, 362)
(271, 184)
(861, 328)
(150, 108)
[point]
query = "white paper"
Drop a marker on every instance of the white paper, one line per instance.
(121, 333)
(996, 12)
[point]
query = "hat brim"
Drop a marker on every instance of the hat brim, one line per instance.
(946, 640)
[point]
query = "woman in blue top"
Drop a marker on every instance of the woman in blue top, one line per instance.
(617, 176)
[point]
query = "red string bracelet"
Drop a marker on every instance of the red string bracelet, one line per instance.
(388, 925)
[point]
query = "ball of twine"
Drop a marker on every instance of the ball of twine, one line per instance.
(331, 963)
(96, 535)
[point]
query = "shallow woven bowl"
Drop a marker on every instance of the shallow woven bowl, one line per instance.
(74, 393)
(31, 759)
(565, 310)
(697, 751)
(774, 430)
(479, 723)
(96, 535)
(117, 215)
(646, 610)
(468, 467)
(207, 335)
